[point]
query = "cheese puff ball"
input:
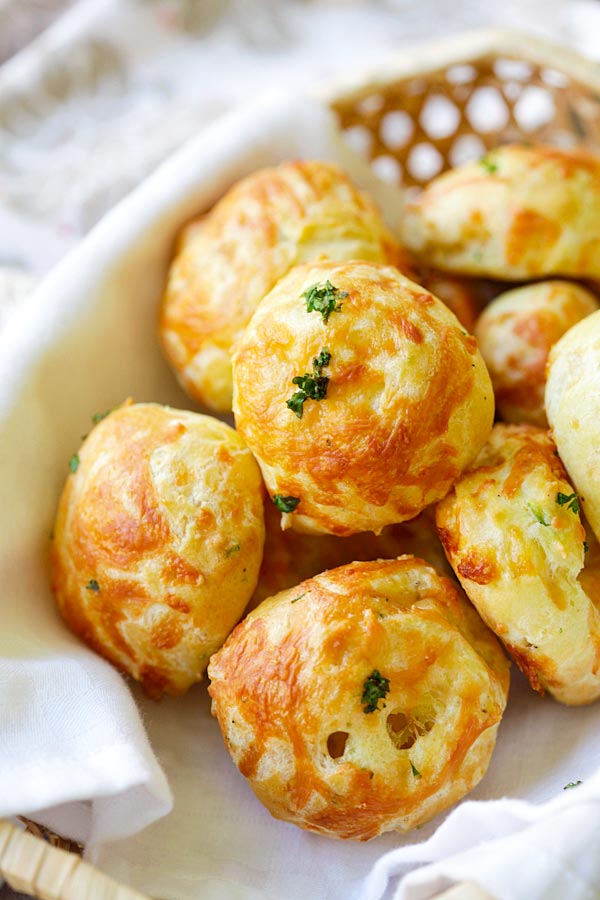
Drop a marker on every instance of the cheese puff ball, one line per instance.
(512, 532)
(363, 407)
(573, 410)
(459, 294)
(227, 262)
(520, 212)
(364, 700)
(158, 542)
(515, 334)
(290, 557)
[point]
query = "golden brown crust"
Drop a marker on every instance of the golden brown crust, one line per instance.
(225, 264)
(512, 532)
(573, 409)
(408, 405)
(516, 333)
(164, 508)
(290, 557)
(521, 212)
(458, 293)
(287, 688)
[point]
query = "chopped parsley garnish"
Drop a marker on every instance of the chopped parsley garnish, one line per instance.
(571, 501)
(538, 515)
(74, 462)
(312, 387)
(490, 165)
(415, 771)
(299, 597)
(572, 784)
(324, 298)
(375, 689)
(586, 547)
(285, 504)
(233, 549)
(92, 585)
(97, 417)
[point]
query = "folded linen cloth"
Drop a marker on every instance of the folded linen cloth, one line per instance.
(73, 752)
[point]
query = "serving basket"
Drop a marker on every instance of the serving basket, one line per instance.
(427, 109)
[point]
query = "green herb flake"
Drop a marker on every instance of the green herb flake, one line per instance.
(235, 548)
(285, 504)
(415, 771)
(312, 387)
(572, 784)
(571, 501)
(299, 597)
(375, 688)
(538, 515)
(74, 462)
(586, 547)
(92, 585)
(323, 298)
(489, 164)
(97, 417)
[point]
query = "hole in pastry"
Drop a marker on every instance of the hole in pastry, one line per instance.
(439, 117)
(405, 730)
(535, 107)
(359, 138)
(486, 110)
(424, 162)
(336, 744)
(396, 129)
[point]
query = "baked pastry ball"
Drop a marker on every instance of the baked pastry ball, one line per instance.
(573, 409)
(515, 334)
(227, 262)
(365, 412)
(520, 212)
(158, 541)
(457, 293)
(290, 557)
(512, 532)
(364, 700)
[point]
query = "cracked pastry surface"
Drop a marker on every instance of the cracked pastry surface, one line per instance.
(162, 509)
(401, 398)
(227, 261)
(364, 700)
(512, 532)
(521, 212)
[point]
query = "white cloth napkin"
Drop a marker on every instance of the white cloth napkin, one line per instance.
(72, 749)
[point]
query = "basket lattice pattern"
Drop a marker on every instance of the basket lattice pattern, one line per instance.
(417, 127)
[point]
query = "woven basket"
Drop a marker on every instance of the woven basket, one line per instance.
(430, 108)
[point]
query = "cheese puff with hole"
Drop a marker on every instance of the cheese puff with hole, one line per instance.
(360, 395)
(364, 700)
(290, 557)
(519, 213)
(512, 532)
(226, 262)
(573, 410)
(158, 542)
(516, 333)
